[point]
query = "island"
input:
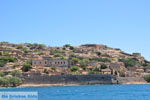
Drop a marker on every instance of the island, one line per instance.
(40, 65)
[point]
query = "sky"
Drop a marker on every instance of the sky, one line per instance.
(123, 24)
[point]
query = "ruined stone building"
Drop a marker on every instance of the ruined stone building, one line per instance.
(50, 62)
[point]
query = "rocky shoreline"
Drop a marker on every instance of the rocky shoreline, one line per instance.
(45, 85)
(71, 80)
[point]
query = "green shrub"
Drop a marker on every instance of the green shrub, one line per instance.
(2, 63)
(26, 68)
(103, 66)
(101, 59)
(57, 55)
(20, 46)
(69, 46)
(147, 78)
(46, 71)
(146, 64)
(10, 81)
(7, 59)
(37, 46)
(72, 55)
(6, 54)
(75, 60)
(55, 52)
(25, 50)
(63, 58)
(74, 68)
(96, 69)
(1, 74)
(29, 61)
(4, 81)
(130, 62)
(15, 73)
(84, 63)
(53, 67)
(94, 72)
(14, 81)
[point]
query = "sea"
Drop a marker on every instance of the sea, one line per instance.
(88, 92)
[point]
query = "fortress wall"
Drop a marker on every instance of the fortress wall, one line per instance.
(69, 79)
(132, 80)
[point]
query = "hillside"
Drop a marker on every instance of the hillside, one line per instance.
(17, 59)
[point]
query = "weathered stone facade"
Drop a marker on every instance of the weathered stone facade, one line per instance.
(48, 63)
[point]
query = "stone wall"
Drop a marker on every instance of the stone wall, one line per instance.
(69, 79)
(133, 80)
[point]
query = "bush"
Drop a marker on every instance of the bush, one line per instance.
(14, 81)
(63, 58)
(84, 63)
(147, 78)
(4, 81)
(130, 62)
(6, 54)
(70, 47)
(20, 46)
(103, 66)
(96, 69)
(37, 46)
(74, 68)
(101, 59)
(46, 71)
(55, 52)
(2, 63)
(15, 73)
(67, 45)
(10, 81)
(26, 67)
(53, 67)
(72, 55)
(75, 60)
(57, 55)
(94, 72)
(146, 64)
(1, 74)
(25, 50)
(7, 59)
(29, 62)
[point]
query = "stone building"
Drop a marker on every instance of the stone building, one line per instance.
(136, 54)
(117, 68)
(48, 63)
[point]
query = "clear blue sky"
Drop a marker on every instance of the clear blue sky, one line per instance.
(121, 24)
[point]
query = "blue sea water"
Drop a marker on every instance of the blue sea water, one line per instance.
(89, 92)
